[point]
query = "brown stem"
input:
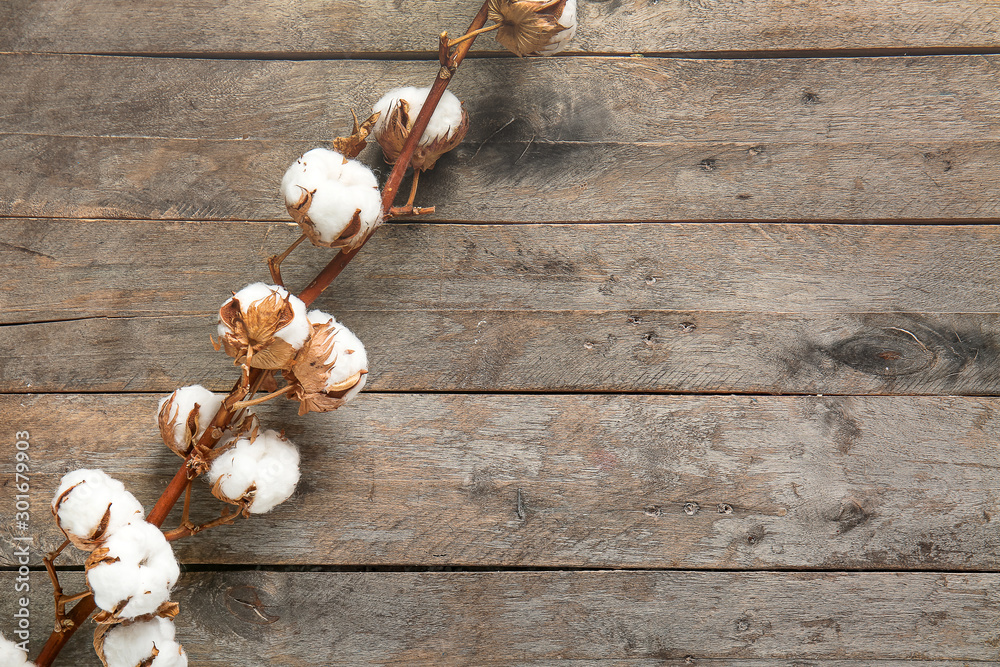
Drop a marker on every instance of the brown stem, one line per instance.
(340, 262)
(85, 607)
(187, 529)
(274, 261)
(57, 592)
(186, 512)
(413, 188)
(401, 211)
(472, 34)
(263, 399)
(444, 51)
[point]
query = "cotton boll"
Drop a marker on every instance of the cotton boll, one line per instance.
(559, 41)
(445, 120)
(89, 506)
(398, 111)
(130, 644)
(137, 565)
(533, 26)
(334, 200)
(263, 326)
(348, 356)
(335, 205)
(176, 416)
(258, 474)
(12, 656)
(330, 369)
(296, 331)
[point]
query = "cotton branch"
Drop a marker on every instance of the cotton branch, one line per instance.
(249, 384)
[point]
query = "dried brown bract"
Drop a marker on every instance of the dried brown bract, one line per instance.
(259, 328)
(438, 138)
(322, 379)
(526, 26)
(352, 145)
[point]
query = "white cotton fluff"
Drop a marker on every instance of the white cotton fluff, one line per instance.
(129, 645)
(82, 509)
(145, 572)
(338, 190)
(294, 333)
(349, 352)
(271, 463)
(562, 39)
(447, 117)
(12, 656)
(184, 402)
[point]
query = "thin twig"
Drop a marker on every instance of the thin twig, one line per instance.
(413, 188)
(263, 399)
(274, 261)
(187, 529)
(472, 35)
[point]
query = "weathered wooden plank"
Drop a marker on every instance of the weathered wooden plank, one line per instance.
(68, 269)
(492, 350)
(645, 139)
(371, 26)
(590, 481)
(576, 618)
(623, 100)
(563, 181)
(720, 308)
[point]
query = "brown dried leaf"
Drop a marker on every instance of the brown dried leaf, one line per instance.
(319, 402)
(526, 25)
(311, 372)
(99, 556)
(352, 145)
(166, 425)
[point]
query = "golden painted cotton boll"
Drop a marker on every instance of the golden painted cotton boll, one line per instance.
(263, 326)
(184, 415)
(398, 109)
(334, 200)
(536, 27)
(330, 369)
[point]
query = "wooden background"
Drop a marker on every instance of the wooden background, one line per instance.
(697, 362)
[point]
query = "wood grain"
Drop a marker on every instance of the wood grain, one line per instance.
(593, 99)
(574, 481)
(69, 269)
(576, 618)
(717, 308)
(371, 26)
(818, 139)
(491, 350)
(73, 177)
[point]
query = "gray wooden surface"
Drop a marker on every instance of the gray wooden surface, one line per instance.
(749, 619)
(747, 482)
(724, 393)
(599, 139)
